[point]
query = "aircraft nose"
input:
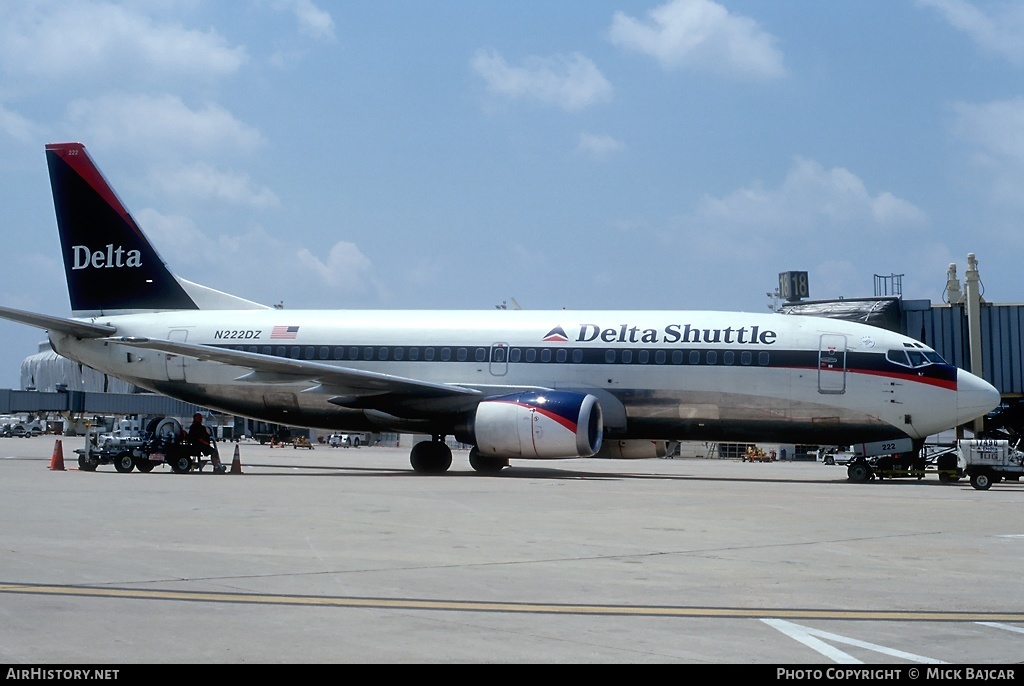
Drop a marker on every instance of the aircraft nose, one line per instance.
(975, 397)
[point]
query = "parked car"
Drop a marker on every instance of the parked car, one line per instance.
(835, 454)
(343, 440)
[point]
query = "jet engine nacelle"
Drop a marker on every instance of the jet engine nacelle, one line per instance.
(633, 450)
(539, 424)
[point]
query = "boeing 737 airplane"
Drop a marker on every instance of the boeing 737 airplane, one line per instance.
(511, 383)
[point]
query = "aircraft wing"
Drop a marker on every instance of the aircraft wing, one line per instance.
(351, 386)
(74, 327)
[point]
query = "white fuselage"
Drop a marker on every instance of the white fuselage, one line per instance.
(687, 375)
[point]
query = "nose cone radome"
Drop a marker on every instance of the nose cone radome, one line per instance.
(975, 397)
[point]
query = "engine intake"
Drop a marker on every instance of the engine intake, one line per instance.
(539, 425)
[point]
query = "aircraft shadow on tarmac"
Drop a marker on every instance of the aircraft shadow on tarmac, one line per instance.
(278, 470)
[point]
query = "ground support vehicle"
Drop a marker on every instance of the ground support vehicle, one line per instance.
(984, 461)
(989, 461)
(898, 466)
(121, 452)
(345, 440)
(906, 465)
(835, 454)
(910, 465)
(164, 441)
(14, 430)
(757, 455)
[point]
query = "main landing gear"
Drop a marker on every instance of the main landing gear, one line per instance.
(431, 457)
(486, 465)
(435, 457)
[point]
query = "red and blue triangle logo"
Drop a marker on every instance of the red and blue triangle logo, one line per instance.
(556, 334)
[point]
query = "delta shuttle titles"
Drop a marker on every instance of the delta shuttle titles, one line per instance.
(752, 334)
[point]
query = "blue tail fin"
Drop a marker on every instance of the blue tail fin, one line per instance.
(110, 265)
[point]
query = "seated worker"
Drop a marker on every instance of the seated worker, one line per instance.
(202, 444)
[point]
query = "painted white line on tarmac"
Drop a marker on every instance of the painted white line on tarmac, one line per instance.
(1006, 627)
(809, 637)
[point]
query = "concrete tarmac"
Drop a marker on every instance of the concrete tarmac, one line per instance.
(337, 555)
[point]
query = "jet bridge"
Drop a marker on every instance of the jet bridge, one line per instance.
(87, 402)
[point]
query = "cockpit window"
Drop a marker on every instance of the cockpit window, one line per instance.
(914, 358)
(898, 356)
(917, 358)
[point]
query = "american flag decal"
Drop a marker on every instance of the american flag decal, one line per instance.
(284, 332)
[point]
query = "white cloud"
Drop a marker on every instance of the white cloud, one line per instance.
(996, 129)
(162, 123)
(997, 126)
(344, 268)
(599, 145)
(571, 82)
(827, 206)
(81, 39)
(176, 238)
(700, 34)
(1000, 31)
(200, 180)
(260, 266)
(835, 276)
(313, 21)
(18, 127)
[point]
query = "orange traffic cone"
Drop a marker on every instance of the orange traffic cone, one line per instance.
(236, 463)
(57, 460)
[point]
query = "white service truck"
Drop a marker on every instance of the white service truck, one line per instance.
(989, 461)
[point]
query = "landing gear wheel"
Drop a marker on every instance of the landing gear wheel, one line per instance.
(145, 466)
(88, 464)
(981, 481)
(484, 464)
(430, 457)
(858, 472)
(124, 463)
(181, 464)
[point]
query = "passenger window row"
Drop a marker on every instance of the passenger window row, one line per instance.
(501, 354)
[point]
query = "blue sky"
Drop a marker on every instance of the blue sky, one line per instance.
(580, 155)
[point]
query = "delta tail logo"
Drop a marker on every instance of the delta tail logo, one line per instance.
(108, 258)
(556, 334)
